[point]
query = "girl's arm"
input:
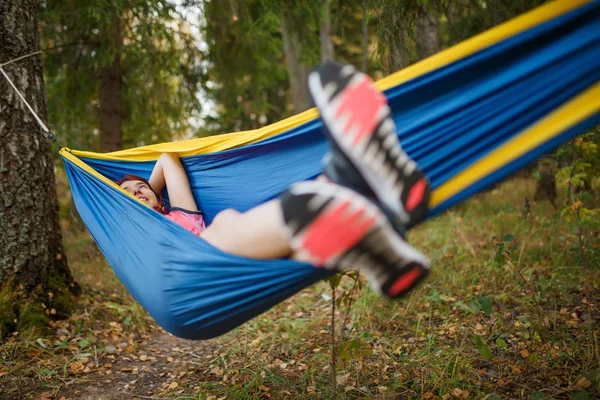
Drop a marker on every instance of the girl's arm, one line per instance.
(169, 172)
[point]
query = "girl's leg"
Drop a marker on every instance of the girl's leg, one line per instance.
(258, 233)
(325, 225)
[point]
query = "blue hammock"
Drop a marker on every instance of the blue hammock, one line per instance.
(469, 116)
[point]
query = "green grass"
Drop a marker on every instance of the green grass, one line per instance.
(524, 326)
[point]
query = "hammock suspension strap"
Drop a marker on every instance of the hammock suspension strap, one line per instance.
(47, 133)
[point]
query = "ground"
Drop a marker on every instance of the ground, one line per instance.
(507, 313)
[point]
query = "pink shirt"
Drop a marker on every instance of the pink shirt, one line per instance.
(190, 220)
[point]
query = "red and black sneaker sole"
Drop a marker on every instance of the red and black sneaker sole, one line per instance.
(333, 227)
(358, 122)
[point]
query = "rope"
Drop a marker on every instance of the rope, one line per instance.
(20, 58)
(47, 133)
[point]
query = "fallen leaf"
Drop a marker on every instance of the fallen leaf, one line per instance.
(173, 385)
(76, 367)
(524, 353)
(583, 383)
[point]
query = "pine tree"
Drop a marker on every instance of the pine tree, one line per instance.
(120, 73)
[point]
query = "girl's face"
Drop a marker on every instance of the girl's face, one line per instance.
(142, 191)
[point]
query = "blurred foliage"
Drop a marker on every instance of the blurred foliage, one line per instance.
(226, 56)
(160, 60)
(246, 74)
(580, 162)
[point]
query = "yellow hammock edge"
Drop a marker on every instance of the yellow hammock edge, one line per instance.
(232, 140)
(68, 154)
(569, 114)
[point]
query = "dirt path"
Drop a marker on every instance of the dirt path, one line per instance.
(160, 367)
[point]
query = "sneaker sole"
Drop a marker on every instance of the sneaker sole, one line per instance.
(336, 228)
(357, 119)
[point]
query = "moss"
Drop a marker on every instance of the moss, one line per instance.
(26, 312)
(32, 317)
(60, 299)
(7, 313)
(63, 304)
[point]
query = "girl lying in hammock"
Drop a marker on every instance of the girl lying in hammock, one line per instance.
(354, 217)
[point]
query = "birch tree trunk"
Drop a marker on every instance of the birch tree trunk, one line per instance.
(397, 58)
(365, 37)
(297, 70)
(327, 52)
(427, 35)
(32, 259)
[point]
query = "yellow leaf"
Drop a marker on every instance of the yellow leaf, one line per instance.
(76, 367)
(427, 395)
(456, 392)
(584, 383)
(173, 385)
(524, 353)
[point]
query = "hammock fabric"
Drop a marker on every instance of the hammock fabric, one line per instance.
(470, 116)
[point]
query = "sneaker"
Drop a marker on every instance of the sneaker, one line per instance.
(365, 153)
(333, 227)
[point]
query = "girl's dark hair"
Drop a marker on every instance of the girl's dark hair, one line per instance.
(159, 197)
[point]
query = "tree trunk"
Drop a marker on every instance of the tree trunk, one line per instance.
(31, 255)
(111, 106)
(365, 38)
(327, 53)
(427, 35)
(397, 53)
(298, 71)
(545, 188)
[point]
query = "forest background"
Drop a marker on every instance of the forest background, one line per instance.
(511, 312)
